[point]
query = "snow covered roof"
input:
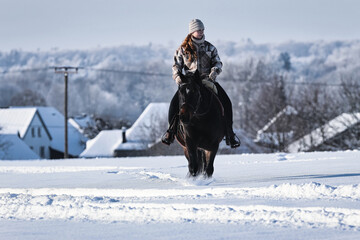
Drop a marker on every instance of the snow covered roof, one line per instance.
(13, 148)
(144, 128)
(82, 122)
(321, 134)
(288, 110)
(16, 120)
(103, 144)
(147, 129)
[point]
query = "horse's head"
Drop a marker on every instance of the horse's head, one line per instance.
(189, 96)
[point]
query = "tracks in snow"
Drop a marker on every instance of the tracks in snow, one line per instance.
(184, 205)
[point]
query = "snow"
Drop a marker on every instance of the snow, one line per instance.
(251, 196)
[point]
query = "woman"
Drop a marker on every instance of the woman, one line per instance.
(197, 54)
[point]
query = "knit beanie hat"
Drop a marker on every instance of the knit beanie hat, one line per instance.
(195, 25)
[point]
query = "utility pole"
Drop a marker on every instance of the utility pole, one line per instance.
(66, 71)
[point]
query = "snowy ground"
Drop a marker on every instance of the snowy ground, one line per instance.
(257, 196)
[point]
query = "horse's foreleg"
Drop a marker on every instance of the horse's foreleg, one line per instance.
(210, 157)
(192, 158)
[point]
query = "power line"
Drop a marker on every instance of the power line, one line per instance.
(24, 70)
(91, 69)
(129, 72)
(145, 73)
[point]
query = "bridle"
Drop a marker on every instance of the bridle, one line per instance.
(198, 102)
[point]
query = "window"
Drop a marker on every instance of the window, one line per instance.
(33, 132)
(42, 152)
(39, 132)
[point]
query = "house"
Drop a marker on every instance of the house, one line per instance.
(54, 121)
(144, 138)
(85, 124)
(103, 144)
(12, 147)
(29, 126)
(342, 132)
(277, 133)
(137, 140)
(145, 132)
(42, 129)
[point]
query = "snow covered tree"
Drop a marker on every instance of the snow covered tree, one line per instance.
(285, 59)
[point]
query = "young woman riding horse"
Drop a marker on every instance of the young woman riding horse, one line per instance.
(196, 54)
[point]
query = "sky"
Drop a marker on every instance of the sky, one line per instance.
(87, 24)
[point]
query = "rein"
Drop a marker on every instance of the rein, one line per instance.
(198, 115)
(200, 98)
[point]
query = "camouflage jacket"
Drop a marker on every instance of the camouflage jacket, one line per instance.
(206, 62)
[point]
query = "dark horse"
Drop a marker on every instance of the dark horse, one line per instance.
(201, 125)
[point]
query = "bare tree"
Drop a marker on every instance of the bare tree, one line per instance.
(350, 93)
(28, 98)
(316, 106)
(265, 101)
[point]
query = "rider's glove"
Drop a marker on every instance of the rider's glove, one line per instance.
(214, 73)
(210, 84)
(178, 80)
(212, 76)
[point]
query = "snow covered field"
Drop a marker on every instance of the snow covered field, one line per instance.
(255, 196)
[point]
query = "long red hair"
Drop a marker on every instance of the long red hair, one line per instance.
(189, 48)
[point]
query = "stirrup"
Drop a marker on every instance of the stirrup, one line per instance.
(233, 141)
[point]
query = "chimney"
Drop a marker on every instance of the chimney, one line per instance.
(123, 134)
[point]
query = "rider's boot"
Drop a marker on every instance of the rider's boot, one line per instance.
(232, 140)
(168, 137)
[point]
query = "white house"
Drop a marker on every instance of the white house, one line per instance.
(42, 129)
(54, 122)
(29, 126)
